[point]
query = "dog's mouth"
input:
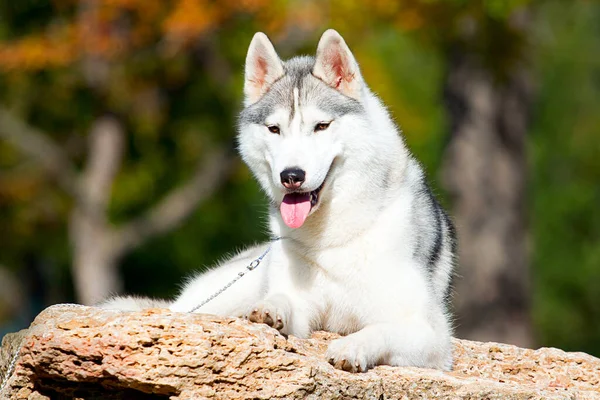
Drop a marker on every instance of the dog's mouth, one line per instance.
(297, 206)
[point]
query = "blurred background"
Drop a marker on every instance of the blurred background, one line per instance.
(118, 171)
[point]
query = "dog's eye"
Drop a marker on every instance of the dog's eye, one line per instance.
(274, 129)
(321, 126)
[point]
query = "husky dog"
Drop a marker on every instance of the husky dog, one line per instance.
(365, 250)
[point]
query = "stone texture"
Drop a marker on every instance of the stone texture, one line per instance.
(89, 353)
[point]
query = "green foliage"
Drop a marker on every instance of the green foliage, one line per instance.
(564, 191)
(502, 9)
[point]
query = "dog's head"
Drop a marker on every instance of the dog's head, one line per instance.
(296, 114)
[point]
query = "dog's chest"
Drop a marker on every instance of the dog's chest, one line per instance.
(357, 287)
(352, 289)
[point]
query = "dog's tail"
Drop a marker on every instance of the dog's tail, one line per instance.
(132, 303)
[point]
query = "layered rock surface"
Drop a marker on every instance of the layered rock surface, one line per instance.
(89, 353)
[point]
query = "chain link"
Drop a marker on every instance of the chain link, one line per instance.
(250, 267)
(11, 367)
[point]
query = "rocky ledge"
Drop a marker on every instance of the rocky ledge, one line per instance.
(89, 353)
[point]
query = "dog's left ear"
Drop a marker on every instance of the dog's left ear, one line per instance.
(336, 66)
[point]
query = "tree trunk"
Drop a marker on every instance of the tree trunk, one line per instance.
(485, 173)
(95, 254)
(95, 273)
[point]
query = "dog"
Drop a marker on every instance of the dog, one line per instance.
(364, 248)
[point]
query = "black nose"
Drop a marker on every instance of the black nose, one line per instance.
(292, 178)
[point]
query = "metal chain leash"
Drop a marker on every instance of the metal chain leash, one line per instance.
(10, 368)
(250, 267)
(255, 263)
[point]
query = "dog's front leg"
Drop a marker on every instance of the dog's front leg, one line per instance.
(414, 343)
(283, 312)
(274, 311)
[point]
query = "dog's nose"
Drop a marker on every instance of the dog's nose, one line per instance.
(292, 178)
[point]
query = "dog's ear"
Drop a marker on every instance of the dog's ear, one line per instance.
(336, 66)
(263, 67)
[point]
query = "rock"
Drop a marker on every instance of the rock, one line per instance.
(88, 353)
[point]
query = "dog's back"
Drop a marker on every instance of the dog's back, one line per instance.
(436, 235)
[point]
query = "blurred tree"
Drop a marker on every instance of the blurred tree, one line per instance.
(488, 95)
(565, 193)
(110, 51)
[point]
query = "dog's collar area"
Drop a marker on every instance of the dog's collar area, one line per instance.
(250, 267)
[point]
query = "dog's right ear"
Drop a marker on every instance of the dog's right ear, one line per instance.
(263, 68)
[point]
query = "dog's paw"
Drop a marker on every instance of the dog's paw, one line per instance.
(269, 314)
(347, 354)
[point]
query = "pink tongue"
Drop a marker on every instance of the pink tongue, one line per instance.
(295, 208)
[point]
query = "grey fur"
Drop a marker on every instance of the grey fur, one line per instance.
(450, 243)
(435, 235)
(312, 90)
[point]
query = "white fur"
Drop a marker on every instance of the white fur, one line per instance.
(351, 268)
